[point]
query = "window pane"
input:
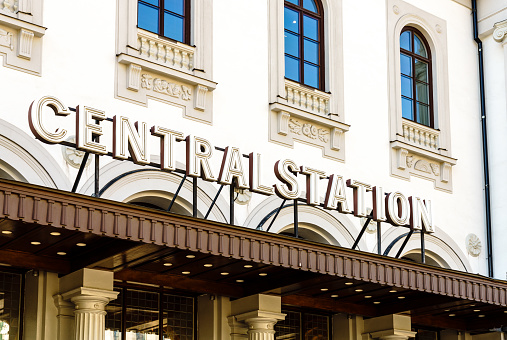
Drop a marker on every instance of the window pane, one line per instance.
(10, 295)
(407, 108)
(173, 27)
(114, 317)
(421, 71)
(147, 18)
(406, 86)
(290, 328)
(311, 28)
(292, 44)
(142, 314)
(423, 114)
(178, 317)
(311, 51)
(422, 92)
(406, 41)
(419, 47)
(310, 5)
(295, 2)
(291, 20)
(316, 326)
(176, 6)
(311, 73)
(292, 68)
(406, 64)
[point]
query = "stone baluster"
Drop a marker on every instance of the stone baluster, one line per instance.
(177, 58)
(184, 60)
(161, 51)
(153, 49)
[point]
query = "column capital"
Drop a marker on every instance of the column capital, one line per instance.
(500, 32)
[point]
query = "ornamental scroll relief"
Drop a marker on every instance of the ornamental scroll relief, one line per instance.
(423, 165)
(308, 130)
(6, 39)
(164, 87)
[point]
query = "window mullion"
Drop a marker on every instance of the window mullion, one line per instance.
(301, 48)
(161, 18)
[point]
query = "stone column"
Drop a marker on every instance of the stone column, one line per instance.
(259, 313)
(388, 327)
(90, 291)
(65, 317)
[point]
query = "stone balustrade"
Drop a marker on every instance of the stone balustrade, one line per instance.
(307, 99)
(10, 6)
(420, 135)
(173, 54)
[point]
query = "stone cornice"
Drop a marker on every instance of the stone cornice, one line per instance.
(500, 32)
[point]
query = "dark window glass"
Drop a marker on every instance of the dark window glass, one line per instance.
(168, 18)
(141, 313)
(178, 317)
(302, 326)
(10, 302)
(114, 310)
(416, 82)
(303, 42)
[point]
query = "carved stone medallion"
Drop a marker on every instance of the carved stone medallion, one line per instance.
(473, 244)
(73, 156)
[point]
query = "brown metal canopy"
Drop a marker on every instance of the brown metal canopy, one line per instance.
(58, 231)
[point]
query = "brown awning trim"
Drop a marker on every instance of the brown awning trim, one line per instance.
(43, 206)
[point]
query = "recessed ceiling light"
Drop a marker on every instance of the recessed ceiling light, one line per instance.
(393, 291)
(452, 314)
(349, 283)
(401, 297)
(447, 310)
(482, 315)
(334, 295)
(324, 289)
(208, 265)
(6, 232)
(62, 253)
(240, 281)
(263, 274)
(224, 273)
(367, 296)
(168, 264)
(505, 311)
(55, 233)
(35, 243)
(81, 244)
(472, 305)
(190, 256)
(185, 273)
(248, 266)
(359, 290)
(376, 302)
(477, 310)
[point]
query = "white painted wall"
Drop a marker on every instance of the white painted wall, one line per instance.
(78, 67)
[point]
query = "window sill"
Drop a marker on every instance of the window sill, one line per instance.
(21, 42)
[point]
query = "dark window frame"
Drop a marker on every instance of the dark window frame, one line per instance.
(413, 56)
(304, 312)
(161, 10)
(160, 291)
(319, 16)
(21, 303)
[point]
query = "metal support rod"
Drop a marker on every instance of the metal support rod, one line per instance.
(214, 201)
(379, 238)
(404, 243)
(296, 219)
(194, 197)
(276, 215)
(231, 201)
(176, 193)
(80, 172)
(356, 242)
(423, 249)
(97, 175)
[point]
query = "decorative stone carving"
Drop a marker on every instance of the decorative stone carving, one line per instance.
(307, 99)
(410, 160)
(200, 97)
(420, 135)
(25, 43)
(438, 28)
(10, 6)
(435, 169)
(162, 86)
(6, 39)
(423, 166)
(308, 130)
(295, 126)
(73, 156)
(474, 245)
(500, 32)
(243, 196)
(372, 226)
(396, 10)
(134, 77)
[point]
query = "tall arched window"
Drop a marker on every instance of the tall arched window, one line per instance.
(416, 82)
(167, 18)
(304, 48)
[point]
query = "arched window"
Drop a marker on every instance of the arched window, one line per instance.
(303, 36)
(416, 82)
(167, 18)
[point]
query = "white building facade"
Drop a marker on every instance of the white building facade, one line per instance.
(343, 109)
